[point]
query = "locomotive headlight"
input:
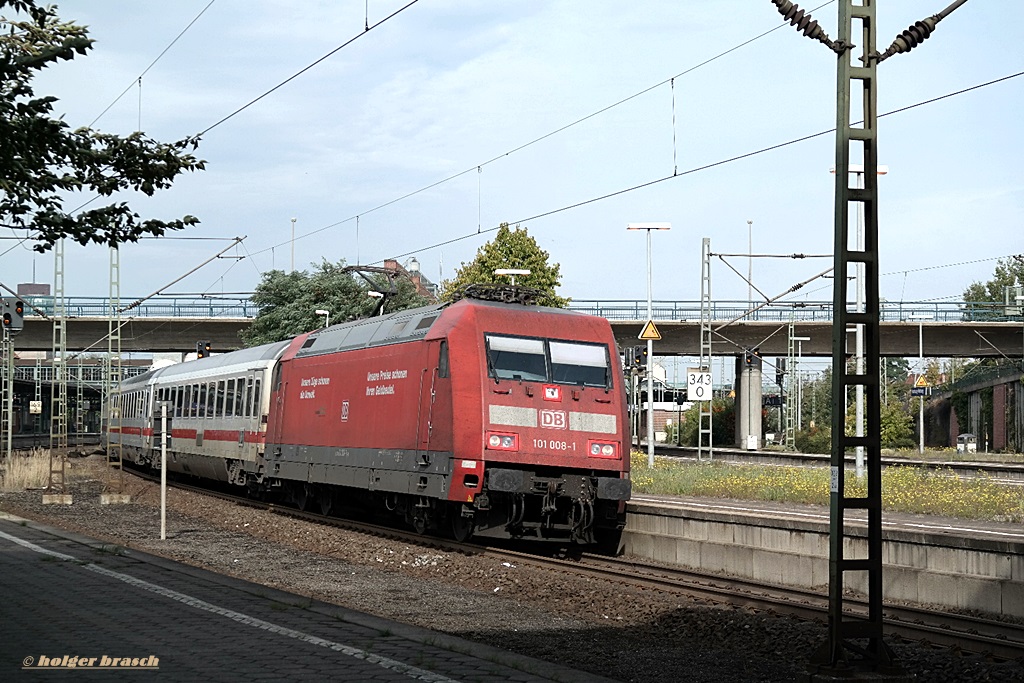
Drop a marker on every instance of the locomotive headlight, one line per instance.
(502, 441)
(603, 449)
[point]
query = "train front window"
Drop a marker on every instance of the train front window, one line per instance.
(581, 364)
(547, 360)
(516, 358)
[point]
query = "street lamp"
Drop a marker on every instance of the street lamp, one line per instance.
(650, 342)
(920, 318)
(512, 272)
(293, 246)
(327, 318)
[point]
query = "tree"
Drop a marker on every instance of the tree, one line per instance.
(510, 249)
(1009, 272)
(289, 301)
(43, 162)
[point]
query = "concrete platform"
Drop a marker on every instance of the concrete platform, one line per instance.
(111, 614)
(959, 564)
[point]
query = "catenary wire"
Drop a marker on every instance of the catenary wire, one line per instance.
(690, 171)
(304, 70)
(478, 167)
(152, 64)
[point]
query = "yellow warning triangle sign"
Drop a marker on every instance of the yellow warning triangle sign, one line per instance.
(650, 332)
(922, 381)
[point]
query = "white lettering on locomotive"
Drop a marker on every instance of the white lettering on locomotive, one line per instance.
(553, 419)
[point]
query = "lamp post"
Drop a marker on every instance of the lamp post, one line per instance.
(920, 318)
(750, 264)
(327, 316)
(512, 272)
(650, 342)
(293, 246)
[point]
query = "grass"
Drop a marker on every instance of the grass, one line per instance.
(31, 470)
(904, 489)
(22, 472)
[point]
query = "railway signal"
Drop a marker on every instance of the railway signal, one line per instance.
(202, 349)
(13, 315)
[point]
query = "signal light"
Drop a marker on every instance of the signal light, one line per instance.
(203, 349)
(19, 307)
(7, 320)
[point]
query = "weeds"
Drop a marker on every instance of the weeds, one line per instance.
(904, 489)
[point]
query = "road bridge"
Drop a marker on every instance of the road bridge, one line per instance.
(950, 329)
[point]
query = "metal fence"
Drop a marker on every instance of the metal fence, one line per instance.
(802, 311)
(612, 309)
(156, 307)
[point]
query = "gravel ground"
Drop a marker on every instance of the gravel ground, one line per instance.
(588, 624)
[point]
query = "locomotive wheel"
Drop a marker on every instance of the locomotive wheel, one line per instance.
(326, 501)
(462, 527)
(302, 497)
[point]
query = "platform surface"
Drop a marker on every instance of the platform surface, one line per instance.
(76, 609)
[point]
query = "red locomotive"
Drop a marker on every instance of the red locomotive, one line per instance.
(476, 418)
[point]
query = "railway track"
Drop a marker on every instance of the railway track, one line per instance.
(996, 639)
(1005, 473)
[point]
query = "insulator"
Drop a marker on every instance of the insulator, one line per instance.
(803, 22)
(916, 34)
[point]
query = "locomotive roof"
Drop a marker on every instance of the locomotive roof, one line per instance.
(412, 323)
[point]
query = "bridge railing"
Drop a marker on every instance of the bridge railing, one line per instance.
(612, 309)
(800, 311)
(156, 307)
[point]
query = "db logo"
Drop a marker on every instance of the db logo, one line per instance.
(553, 419)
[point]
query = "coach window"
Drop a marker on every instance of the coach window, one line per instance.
(178, 399)
(516, 358)
(257, 407)
(240, 396)
(248, 398)
(229, 399)
(582, 364)
(220, 398)
(211, 397)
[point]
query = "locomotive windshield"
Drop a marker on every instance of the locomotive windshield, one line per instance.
(547, 360)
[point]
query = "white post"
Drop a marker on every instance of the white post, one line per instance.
(650, 342)
(163, 471)
(650, 363)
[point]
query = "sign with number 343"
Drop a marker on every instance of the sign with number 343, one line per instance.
(698, 385)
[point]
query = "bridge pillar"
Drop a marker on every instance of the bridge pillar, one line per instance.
(748, 401)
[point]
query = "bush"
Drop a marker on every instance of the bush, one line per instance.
(814, 440)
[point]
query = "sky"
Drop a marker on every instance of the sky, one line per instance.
(511, 105)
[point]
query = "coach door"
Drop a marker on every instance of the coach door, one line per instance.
(277, 408)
